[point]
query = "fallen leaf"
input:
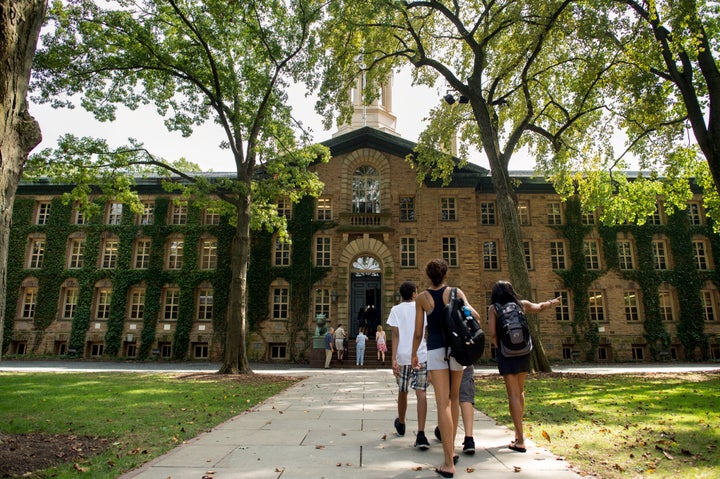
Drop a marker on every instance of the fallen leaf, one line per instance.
(517, 469)
(469, 469)
(417, 468)
(546, 436)
(319, 447)
(384, 437)
(343, 434)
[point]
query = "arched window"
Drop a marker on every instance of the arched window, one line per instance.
(366, 190)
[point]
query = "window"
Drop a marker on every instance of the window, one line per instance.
(205, 304)
(666, 308)
(631, 305)
(366, 190)
(557, 254)
(178, 214)
(487, 213)
(113, 215)
(449, 250)
(322, 250)
(528, 255)
(407, 208)
(588, 218)
(408, 252)
(29, 302)
(211, 216)
(554, 214)
(700, 254)
(490, 255)
(625, 255)
(36, 253)
(524, 212)
(659, 255)
(78, 217)
(109, 257)
(102, 302)
(694, 213)
(278, 350)
(97, 349)
(708, 298)
(447, 209)
(142, 253)
(146, 217)
(638, 352)
(171, 303)
(175, 254)
(208, 253)
(324, 209)
(77, 253)
(322, 302)
(70, 302)
(562, 311)
(592, 258)
(42, 213)
(655, 218)
(284, 207)
(137, 304)
(200, 350)
(281, 257)
(595, 304)
(280, 302)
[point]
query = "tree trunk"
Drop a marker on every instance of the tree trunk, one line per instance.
(235, 359)
(20, 22)
(505, 196)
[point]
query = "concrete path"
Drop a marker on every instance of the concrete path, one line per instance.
(340, 424)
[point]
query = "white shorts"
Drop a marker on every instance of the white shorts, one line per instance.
(436, 359)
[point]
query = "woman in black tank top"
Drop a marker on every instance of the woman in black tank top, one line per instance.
(444, 372)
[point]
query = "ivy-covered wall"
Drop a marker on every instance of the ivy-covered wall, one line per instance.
(683, 275)
(54, 273)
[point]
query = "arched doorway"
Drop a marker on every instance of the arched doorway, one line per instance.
(365, 294)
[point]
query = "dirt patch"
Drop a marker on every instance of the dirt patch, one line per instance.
(21, 454)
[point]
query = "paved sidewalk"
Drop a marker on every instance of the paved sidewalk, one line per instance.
(339, 423)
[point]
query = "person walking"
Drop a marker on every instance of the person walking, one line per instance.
(381, 341)
(402, 321)
(340, 342)
(328, 347)
(513, 369)
(444, 372)
(360, 341)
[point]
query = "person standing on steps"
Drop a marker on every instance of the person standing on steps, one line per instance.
(381, 341)
(402, 322)
(513, 369)
(328, 347)
(444, 372)
(360, 341)
(340, 342)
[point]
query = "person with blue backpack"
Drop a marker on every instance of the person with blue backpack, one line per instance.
(509, 332)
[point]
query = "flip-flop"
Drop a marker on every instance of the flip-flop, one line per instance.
(516, 448)
(444, 473)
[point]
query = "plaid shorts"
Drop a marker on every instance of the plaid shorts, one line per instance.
(418, 377)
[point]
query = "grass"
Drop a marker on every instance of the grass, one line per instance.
(619, 426)
(141, 415)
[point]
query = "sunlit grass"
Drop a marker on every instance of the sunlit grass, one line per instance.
(141, 415)
(619, 426)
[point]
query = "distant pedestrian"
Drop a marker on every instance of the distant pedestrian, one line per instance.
(340, 342)
(381, 341)
(371, 319)
(360, 341)
(402, 322)
(328, 347)
(513, 369)
(362, 323)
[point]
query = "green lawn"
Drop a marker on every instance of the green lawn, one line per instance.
(140, 415)
(620, 426)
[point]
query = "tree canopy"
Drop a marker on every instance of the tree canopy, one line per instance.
(229, 62)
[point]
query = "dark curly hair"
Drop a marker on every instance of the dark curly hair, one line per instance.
(503, 292)
(407, 289)
(436, 270)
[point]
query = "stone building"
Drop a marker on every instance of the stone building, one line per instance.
(155, 284)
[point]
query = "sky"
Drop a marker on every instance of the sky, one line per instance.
(410, 105)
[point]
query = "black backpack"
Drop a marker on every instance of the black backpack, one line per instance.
(513, 331)
(463, 335)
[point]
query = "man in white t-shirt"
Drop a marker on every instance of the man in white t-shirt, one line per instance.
(402, 322)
